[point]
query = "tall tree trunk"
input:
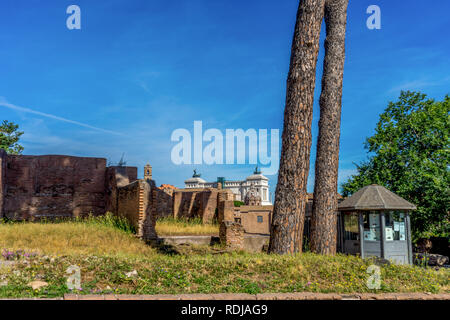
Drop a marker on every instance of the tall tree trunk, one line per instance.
(324, 215)
(286, 234)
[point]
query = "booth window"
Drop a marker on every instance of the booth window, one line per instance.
(351, 226)
(395, 226)
(371, 226)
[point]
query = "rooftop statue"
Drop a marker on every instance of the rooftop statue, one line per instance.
(196, 175)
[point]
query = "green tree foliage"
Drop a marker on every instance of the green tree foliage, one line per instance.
(9, 137)
(409, 154)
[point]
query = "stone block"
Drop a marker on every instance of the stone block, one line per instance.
(232, 235)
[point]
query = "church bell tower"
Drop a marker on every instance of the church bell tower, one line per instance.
(148, 172)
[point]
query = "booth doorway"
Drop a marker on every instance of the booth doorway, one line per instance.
(351, 233)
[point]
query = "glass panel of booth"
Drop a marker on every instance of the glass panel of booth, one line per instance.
(395, 228)
(351, 226)
(371, 226)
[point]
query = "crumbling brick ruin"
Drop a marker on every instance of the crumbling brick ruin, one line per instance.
(164, 200)
(231, 234)
(59, 186)
(195, 204)
(207, 204)
(231, 231)
(37, 187)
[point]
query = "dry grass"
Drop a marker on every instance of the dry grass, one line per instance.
(178, 227)
(105, 251)
(70, 238)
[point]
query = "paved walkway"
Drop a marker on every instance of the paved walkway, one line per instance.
(267, 296)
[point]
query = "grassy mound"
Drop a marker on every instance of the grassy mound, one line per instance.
(93, 235)
(106, 252)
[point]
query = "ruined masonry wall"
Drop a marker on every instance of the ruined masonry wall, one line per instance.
(164, 202)
(52, 186)
(2, 179)
(135, 203)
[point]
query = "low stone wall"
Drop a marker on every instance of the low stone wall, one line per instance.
(192, 240)
(256, 242)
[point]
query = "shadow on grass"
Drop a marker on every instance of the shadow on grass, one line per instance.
(188, 249)
(163, 248)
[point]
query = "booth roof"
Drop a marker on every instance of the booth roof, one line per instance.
(375, 197)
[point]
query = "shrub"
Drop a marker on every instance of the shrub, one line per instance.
(238, 203)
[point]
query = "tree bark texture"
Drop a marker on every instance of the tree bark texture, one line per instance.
(324, 215)
(286, 234)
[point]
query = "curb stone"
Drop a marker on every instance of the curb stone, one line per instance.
(263, 296)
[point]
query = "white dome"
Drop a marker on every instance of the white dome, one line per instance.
(257, 176)
(195, 180)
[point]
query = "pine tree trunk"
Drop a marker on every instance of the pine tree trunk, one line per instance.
(324, 215)
(286, 234)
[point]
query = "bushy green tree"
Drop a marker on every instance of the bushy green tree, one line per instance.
(409, 154)
(9, 137)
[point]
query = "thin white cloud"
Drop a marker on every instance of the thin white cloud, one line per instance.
(5, 104)
(419, 84)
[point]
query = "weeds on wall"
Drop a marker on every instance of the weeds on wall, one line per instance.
(109, 220)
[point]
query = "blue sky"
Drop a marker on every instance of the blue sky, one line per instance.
(139, 69)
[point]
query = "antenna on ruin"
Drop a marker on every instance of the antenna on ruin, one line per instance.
(122, 162)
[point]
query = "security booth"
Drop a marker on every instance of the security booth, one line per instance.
(375, 222)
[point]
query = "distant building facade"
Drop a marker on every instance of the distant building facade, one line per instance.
(256, 182)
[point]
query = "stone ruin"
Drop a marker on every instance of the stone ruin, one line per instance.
(231, 231)
(59, 186)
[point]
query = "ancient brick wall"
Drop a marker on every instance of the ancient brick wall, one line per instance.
(188, 204)
(124, 175)
(225, 195)
(231, 231)
(110, 190)
(226, 211)
(53, 186)
(256, 219)
(164, 201)
(129, 202)
(231, 234)
(209, 205)
(2, 179)
(137, 203)
(199, 203)
(150, 212)
(117, 177)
